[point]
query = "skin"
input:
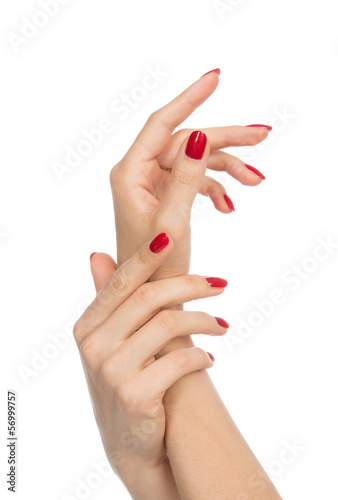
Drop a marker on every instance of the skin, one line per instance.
(153, 187)
(118, 336)
(155, 184)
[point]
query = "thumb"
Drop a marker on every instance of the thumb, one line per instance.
(102, 267)
(186, 177)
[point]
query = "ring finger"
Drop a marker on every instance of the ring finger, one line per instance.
(140, 348)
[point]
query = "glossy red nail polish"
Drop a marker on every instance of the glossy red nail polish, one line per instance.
(196, 145)
(91, 255)
(222, 322)
(217, 282)
(158, 243)
(217, 71)
(258, 125)
(229, 202)
(255, 171)
(211, 356)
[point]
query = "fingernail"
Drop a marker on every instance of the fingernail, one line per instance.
(217, 282)
(211, 356)
(217, 71)
(222, 322)
(196, 145)
(258, 125)
(255, 171)
(229, 202)
(91, 255)
(158, 243)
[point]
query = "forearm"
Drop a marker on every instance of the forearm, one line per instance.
(209, 457)
(150, 483)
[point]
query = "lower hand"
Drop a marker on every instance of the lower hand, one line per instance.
(118, 337)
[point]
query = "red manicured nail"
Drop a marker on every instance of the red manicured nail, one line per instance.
(158, 243)
(229, 202)
(91, 255)
(211, 356)
(217, 71)
(258, 125)
(222, 322)
(255, 171)
(217, 282)
(196, 145)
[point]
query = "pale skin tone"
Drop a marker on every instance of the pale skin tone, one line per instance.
(154, 186)
(118, 337)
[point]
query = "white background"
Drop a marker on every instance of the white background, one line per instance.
(277, 59)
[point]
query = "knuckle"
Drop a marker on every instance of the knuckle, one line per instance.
(167, 321)
(153, 117)
(129, 396)
(88, 349)
(193, 281)
(78, 331)
(256, 136)
(108, 370)
(206, 319)
(202, 355)
(183, 177)
(180, 360)
(118, 177)
(143, 258)
(182, 133)
(233, 164)
(117, 285)
(115, 174)
(145, 293)
(213, 188)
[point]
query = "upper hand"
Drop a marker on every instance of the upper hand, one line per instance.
(155, 184)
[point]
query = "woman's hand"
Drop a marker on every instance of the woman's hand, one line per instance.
(118, 337)
(156, 182)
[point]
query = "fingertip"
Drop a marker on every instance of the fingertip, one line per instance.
(159, 243)
(196, 145)
(229, 203)
(216, 71)
(255, 171)
(211, 357)
(102, 266)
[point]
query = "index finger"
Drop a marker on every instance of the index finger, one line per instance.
(123, 282)
(161, 124)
